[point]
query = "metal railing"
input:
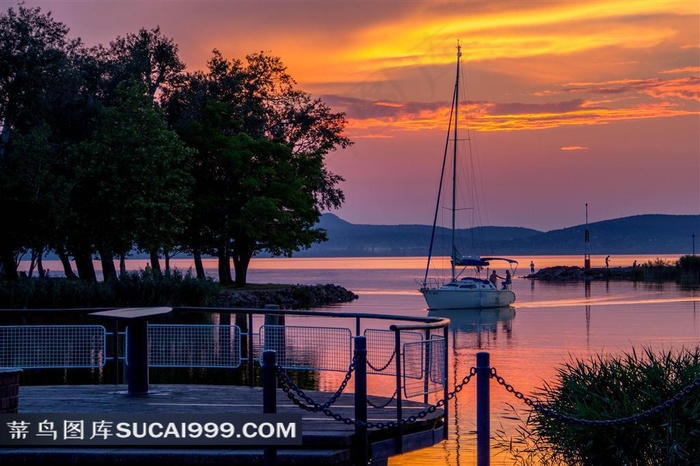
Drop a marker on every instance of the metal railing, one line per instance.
(52, 346)
(171, 345)
(385, 346)
(413, 353)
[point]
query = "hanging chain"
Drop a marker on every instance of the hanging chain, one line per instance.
(384, 366)
(312, 406)
(384, 405)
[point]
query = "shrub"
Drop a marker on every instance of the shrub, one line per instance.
(689, 267)
(132, 289)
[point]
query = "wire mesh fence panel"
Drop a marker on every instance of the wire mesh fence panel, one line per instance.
(381, 354)
(424, 367)
(436, 361)
(47, 346)
(194, 345)
(308, 348)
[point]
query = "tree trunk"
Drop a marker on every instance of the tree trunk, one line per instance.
(109, 271)
(241, 261)
(43, 273)
(8, 266)
(224, 267)
(32, 264)
(86, 270)
(122, 263)
(155, 261)
(67, 268)
(166, 254)
(198, 265)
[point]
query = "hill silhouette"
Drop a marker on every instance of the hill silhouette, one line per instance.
(640, 234)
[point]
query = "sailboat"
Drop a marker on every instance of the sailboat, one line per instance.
(462, 291)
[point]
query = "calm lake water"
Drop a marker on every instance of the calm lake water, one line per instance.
(549, 324)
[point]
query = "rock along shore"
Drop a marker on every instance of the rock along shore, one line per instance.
(291, 297)
(563, 273)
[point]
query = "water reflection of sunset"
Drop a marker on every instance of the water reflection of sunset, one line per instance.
(550, 324)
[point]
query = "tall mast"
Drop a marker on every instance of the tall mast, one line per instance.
(454, 161)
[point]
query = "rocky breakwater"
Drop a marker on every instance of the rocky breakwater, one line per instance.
(286, 297)
(563, 273)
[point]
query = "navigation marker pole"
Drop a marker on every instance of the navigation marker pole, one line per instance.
(587, 238)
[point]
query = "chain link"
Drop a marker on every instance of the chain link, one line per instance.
(539, 407)
(382, 406)
(286, 382)
(384, 366)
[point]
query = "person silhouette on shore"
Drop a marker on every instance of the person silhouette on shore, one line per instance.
(532, 267)
(607, 262)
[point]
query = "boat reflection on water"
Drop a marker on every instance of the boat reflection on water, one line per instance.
(471, 330)
(477, 328)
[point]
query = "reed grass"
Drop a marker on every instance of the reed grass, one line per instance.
(605, 388)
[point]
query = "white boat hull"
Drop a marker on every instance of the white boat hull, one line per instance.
(455, 298)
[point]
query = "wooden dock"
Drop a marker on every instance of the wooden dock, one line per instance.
(325, 440)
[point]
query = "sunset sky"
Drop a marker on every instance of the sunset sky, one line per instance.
(592, 101)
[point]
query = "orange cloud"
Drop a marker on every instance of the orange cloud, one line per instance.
(687, 69)
(511, 31)
(574, 148)
(687, 88)
(371, 116)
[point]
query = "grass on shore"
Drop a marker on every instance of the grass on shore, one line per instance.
(615, 388)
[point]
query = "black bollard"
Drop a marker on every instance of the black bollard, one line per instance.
(269, 383)
(361, 400)
(483, 402)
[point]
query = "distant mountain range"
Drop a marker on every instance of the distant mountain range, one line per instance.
(640, 234)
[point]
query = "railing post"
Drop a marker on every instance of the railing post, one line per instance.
(276, 333)
(426, 382)
(269, 383)
(115, 351)
(399, 402)
(361, 400)
(445, 385)
(251, 356)
(483, 402)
